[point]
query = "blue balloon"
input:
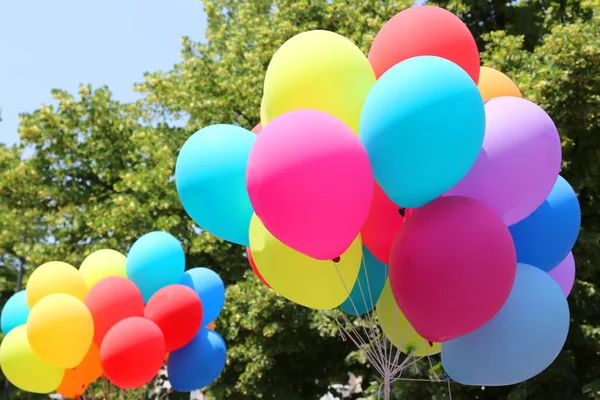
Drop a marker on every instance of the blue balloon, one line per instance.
(371, 280)
(521, 341)
(154, 261)
(423, 125)
(15, 312)
(546, 237)
(210, 288)
(210, 176)
(199, 363)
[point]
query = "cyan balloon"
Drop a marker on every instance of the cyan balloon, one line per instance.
(367, 288)
(210, 288)
(15, 312)
(521, 341)
(423, 125)
(210, 176)
(154, 261)
(546, 236)
(199, 363)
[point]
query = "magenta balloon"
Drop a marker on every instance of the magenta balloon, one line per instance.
(310, 182)
(564, 274)
(519, 161)
(452, 267)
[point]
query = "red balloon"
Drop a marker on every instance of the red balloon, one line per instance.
(424, 31)
(112, 300)
(254, 269)
(257, 129)
(452, 267)
(132, 352)
(177, 310)
(384, 220)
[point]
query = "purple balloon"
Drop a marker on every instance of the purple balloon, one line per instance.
(564, 274)
(519, 161)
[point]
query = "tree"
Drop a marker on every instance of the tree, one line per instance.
(101, 176)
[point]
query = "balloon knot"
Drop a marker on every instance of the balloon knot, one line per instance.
(402, 211)
(336, 259)
(430, 343)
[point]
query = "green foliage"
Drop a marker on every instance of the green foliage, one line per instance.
(101, 175)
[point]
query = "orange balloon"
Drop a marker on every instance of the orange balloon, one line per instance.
(71, 386)
(211, 326)
(90, 367)
(493, 83)
(167, 357)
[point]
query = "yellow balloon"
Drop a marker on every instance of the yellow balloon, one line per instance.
(300, 278)
(55, 277)
(319, 70)
(398, 330)
(493, 83)
(23, 368)
(102, 264)
(264, 120)
(60, 330)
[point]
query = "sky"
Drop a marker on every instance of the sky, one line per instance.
(59, 44)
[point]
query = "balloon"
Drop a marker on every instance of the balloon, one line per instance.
(493, 83)
(177, 310)
(424, 31)
(310, 182)
(211, 180)
(55, 277)
(398, 330)
(199, 363)
(254, 269)
(210, 288)
(313, 283)
(211, 326)
(519, 161)
(564, 274)
(368, 286)
(20, 364)
(102, 264)
(546, 237)
(60, 330)
(264, 119)
(257, 129)
(72, 386)
(382, 224)
(112, 300)
(452, 266)
(90, 368)
(521, 341)
(318, 70)
(422, 125)
(132, 352)
(154, 261)
(15, 312)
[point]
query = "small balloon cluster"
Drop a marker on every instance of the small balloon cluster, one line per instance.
(413, 157)
(119, 317)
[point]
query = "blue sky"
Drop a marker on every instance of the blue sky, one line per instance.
(47, 44)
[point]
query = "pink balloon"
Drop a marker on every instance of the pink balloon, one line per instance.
(564, 274)
(310, 182)
(519, 161)
(452, 267)
(257, 129)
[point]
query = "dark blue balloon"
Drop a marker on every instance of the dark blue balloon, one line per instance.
(210, 288)
(521, 341)
(368, 287)
(199, 363)
(546, 237)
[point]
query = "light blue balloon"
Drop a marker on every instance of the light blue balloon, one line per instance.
(210, 288)
(210, 176)
(15, 312)
(423, 125)
(546, 237)
(521, 341)
(367, 289)
(199, 363)
(154, 261)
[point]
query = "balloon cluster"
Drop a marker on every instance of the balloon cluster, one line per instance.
(119, 317)
(416, 158)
